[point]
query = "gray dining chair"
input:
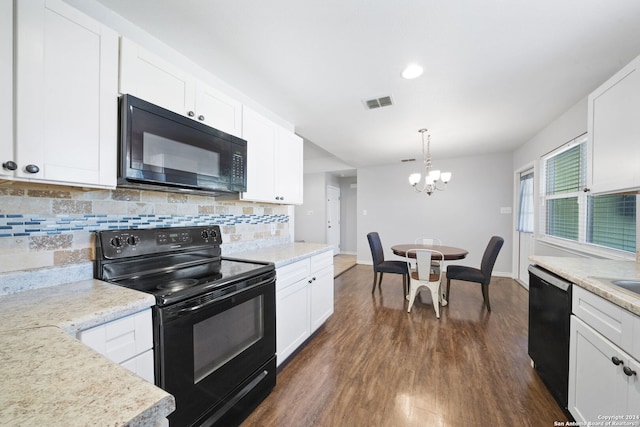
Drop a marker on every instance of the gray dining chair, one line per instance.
(481, 275)
(381, 266)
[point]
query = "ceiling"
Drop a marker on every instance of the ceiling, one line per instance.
(495, 71)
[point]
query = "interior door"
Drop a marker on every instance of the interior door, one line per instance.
(333, 218)
(524, 224)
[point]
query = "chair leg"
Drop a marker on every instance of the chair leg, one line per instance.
(412, 296)
(435, 298)
(485, 296)
(380, 282)
(375, 277)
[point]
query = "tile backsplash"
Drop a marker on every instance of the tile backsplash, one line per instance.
(44, 226)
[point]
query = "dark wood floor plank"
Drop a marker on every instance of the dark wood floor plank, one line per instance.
(374, 364)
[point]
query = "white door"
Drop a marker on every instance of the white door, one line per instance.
(524, 224)
(333, 218)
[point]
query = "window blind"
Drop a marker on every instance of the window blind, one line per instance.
(612, 221)
(565, 178)
(566, 171)
(525, 211)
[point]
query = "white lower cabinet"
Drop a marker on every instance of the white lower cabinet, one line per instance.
(603, 376)
(321, 289)
(127, 341)
(304, 301)
(292, 319)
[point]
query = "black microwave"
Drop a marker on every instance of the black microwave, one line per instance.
(162, 150)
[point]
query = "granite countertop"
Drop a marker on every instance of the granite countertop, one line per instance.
(588, 272)
(282, 255)
(47, 377)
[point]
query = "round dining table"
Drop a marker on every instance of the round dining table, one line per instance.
(450, 252)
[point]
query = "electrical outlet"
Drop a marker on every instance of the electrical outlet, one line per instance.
(273, 228)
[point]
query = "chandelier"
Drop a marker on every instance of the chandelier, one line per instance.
(432, 177)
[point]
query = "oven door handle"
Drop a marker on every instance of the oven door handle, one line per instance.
(182, 311)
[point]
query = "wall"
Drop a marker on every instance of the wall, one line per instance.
(311, 216)
(565, 128)
(349, 215)
(466, 215)
(50, 228)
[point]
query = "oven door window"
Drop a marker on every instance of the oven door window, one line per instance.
(238, 329)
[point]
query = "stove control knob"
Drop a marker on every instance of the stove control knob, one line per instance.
(205, 234)
(116, 242)
(214, 233)
(133, 240)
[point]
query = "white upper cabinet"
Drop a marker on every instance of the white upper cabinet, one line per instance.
(614, 132)
(6, 89)
(260, 134)
(149, 77)
(66, 96)
(156, 80)
(289, 171)
(274, 161)
(217, 110)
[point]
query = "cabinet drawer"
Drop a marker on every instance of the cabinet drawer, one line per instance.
(292, 273)
(612, 321)
(121, 339)
(142, 365)
(320, 261)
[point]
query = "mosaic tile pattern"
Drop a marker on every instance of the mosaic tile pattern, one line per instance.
(15, 225)
(45, 227)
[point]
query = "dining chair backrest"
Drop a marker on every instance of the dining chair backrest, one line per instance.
(490, 256)
(428, 241)
(376, 247)
(424, 267)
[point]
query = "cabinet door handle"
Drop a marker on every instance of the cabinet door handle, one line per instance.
(617, 361)
(191, 114)
(10, 165)
(628, 371)
(32, 168)
(201, 118)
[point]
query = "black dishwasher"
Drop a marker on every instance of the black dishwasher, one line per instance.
(549, 316)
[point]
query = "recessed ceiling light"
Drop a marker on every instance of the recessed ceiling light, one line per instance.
(412, 71)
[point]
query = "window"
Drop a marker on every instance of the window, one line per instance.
(525, 207)
(572, 214)
(612, 221)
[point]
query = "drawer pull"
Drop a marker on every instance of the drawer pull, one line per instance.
(628, 371)
(617, 361)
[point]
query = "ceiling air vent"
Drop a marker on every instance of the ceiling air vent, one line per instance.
(374, 103)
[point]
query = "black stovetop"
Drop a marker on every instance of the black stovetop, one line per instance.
(171, 270)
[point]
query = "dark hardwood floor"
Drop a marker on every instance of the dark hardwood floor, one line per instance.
(374, 364)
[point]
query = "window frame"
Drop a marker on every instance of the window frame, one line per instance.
(581, 245)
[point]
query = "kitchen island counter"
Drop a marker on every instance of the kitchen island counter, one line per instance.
(47, 377)
(585, 272)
